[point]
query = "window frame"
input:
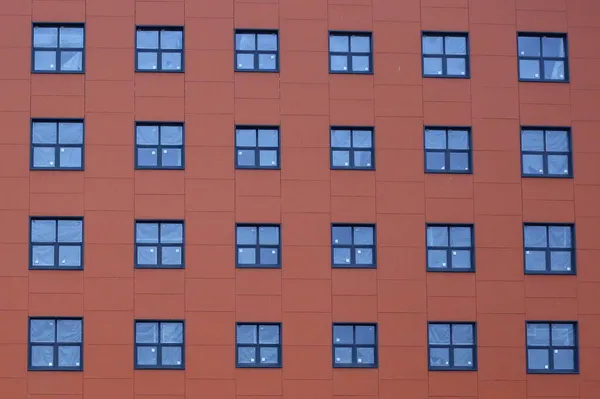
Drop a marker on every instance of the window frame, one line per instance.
(159, 147)
(257, 148)
(56, 244)
(158, 345)
(452, 346)
(351, 149)
(159, 245)
(258, 345)
(449, 248)
(159, 51)
(541, 58)
(545, 153)
(256, 52)
(447, 151)
(354, 346)
(56, 146)
(58, 25)
(445, 57)
(54, 345)
(548, 251)
(349, 34)
(353, 265)
(257, 247)
(550, 347)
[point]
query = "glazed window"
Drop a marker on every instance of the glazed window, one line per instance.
(552, 347)
(55, 344)
(57, 144)
(353, 246)
(352, 148)
(257, 147)
(256, 51)
(450, 248)
(445, 55)
(159, 344)
(159, 244)
(258, 345)
(543, 57)
(549, 249)
(452, 346)
(447, 150)
(355, 345)
(258, 246)
(56, 243)
(159, 146)
(350, 52)
(159, 49)
(58, 48)
(546, 152)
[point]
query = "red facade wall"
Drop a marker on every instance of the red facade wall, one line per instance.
(305, 196)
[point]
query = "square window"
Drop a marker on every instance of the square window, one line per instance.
(159, 244)
(352, 148)
(57, 144)
(350, 52)
(159, 146)
(546, 152)
(549, 248)
(445, 55)
(258, 345)
(355, 345)
(58, 48)
(55, 344)
(56, 243)
(258, 246)
(159, 344)
(452, 346)
(257, 147)
(543, 57)
(447, 150)
(450, 248)
(353, 246)
(256, 51)
(552, 347)
(159, 49)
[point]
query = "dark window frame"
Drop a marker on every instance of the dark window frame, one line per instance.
(551, 347)
(450, 248)
(159, 245)
(541, 58)
(58, 49)
(159, 51)
(159, 147)
(257, 247)
(354, 346)
(351, 149)
(349, 53)
(447, 151)
(352, 247)
(258, 346)
(158, 345)
(256, 52)
(57, 146)
(548, 250)
(56, 245)
(258, 148)
(451, 346)
(444, 57)
(55, 345)
(545, 153)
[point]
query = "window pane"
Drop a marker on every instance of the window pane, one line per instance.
(341, 256)
(246, 334)
(171, 40)
(339, 63)
(147, 39)
(246, 157)
(45, 37)
(563, 334)
(560, 261)
(435, 161)
(43, 157)
(245, 137)
(554, 70)
(147, 356)
(532, 140)
(171, 233)
(340, 138)
(146, 333)
(171, 256)
(537, 359)
(171, 356)
(365, 355)
(245, 41)
(560, 236)
(69, 356)
(536, 236)
(557, 140)
(342, 235)
(268, 235)
(437, 236)
(171, 333)
(71, 60)
(147, 135)
(363, 235)
(432, 66)
(70, 231)
(362, 159)
(564, 359)
(340, 158)
(360, 63)
(268, 138)
(558, 165)
(456, 66)
(533, 164)
(269, 256)
(437, 258)
(69, 256)
(538, 334)
(458, 140)
(362, 139)
(41, 330)
(535, 260)
(147, 256)
(433, 45)
(364, 256)
(343, 335)
(463, 357)
(44, 133)
(338, 43)
(247, 256)
(147, 157)
(42, 356)
(269, 355)
(43, 230)
(267, 62)
(343, 355)
(70, 132)
(365, 335)
(529, 69)
(171, 157)
(171, 61)
(439, 357)
(462, 334)
(45, 61)
(246, 355)
(459, 161)
(146, 233)
(460, 236)
(529, 46)
(439, 334)
(147, 61)
(70, 157)
(553, 47)
(461, 259)
(360, 44)
(71, 37)
(268, 158)
(267, 42)
(268, 334)
(456, 46)
(42, 255)
(245, 61)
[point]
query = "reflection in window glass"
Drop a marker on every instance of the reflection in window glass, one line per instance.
(56, 243)
(552, 347)
(546, 152)
(450, 248)
(353, 245)
(159, 244)
(58, 48)
(258, 246)
(352, 148)
(542, 57)
(57, 144)
(452, 346)
(445, 55)
(447, 150)
(256, 51)
(258, 345)
(354, 345)
(257, 148)
(55, 344)
(549, 249)
(159, 50)
(159, 344)
(350, 52)
(159, 146)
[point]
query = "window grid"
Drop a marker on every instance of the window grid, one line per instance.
(350, 245)
(352, 150)
(263, 246)
(454, 161)
(451, 250)
(159, 345)
(160, 245)
(541, 59)
(257, 149)
(160, 147)
(58, 50)
(159, 50)
(258, 361)
(356, 359)
(57, 145)
(452, 346)
(256, 52)
(444, 56)
(56, 244)
(56, 345)
(552, 349)
(545, 153)
(549, 250)
(350, 53)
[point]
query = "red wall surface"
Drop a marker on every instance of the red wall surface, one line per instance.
(305, 196)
